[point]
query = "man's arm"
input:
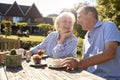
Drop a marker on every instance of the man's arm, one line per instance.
(106, 55)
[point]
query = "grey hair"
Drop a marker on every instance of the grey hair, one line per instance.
(61, 16)
(87, 9)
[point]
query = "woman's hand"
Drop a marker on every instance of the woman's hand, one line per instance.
(67, 34)
(64, 36)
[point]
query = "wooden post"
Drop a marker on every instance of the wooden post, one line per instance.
(8, 44)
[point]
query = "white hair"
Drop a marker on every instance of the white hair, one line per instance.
(61, 16)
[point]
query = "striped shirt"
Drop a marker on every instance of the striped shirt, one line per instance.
(53, 49)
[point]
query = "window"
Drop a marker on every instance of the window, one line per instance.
(17, 19)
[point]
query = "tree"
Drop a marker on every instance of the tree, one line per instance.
(109, 10)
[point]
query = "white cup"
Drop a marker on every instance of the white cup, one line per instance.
(21, 52)
(53, 62)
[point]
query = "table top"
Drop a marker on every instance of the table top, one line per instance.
(26, 72)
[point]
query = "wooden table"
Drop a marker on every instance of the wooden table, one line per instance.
(27, 72)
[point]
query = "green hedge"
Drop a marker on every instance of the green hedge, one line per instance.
(46, 28)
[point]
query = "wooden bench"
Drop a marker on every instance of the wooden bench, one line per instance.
(8, 44)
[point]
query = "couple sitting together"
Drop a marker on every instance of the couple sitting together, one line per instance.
(100, 46)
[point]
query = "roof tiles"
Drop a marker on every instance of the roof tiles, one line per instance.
(19, 10)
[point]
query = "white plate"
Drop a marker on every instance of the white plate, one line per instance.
(43, 63)
(45, 56)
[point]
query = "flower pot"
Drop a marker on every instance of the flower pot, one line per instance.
(13, 60)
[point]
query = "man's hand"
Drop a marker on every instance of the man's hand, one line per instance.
(70, 63)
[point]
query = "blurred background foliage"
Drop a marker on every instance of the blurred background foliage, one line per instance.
(109, 10)
(45, 28)
(7, 27)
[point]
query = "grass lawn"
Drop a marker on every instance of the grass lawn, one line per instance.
(34, 38)
(30, 38)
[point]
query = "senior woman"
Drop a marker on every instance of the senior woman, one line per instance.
(62, 42)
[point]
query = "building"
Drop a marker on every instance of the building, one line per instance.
(21, 13)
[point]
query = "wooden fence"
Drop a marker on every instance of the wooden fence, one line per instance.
(8, 44)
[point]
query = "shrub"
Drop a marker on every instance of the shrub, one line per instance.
(45, 28)
(78, 31)
(13, 52)
(79, 47)
(7, 27)
(28, 44)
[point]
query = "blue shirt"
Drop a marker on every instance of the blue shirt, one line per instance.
(53, 49)
(102, 33)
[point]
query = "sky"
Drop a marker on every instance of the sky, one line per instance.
(47, 7)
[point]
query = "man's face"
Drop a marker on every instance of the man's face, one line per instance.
(83, 19)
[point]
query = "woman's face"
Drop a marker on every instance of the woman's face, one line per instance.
(66, 24)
